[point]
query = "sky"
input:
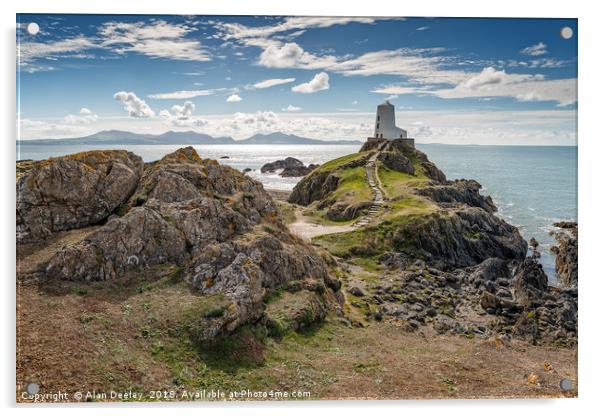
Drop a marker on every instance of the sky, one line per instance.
(452, 80)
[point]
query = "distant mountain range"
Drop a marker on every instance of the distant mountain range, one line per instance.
(113, 137)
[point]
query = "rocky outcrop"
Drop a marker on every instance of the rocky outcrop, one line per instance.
(529, 282)
(478, 301)
(290, 167)
(398, 147)
(566, 253)
(459, 238)
(458, 192)
(297, 171)
(72, 191)
(418, 158)
(450, 264)
(321, 182)
(345, 212)
(218, 226)
(396, 161)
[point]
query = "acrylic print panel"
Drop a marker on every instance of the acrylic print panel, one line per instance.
(295, 208)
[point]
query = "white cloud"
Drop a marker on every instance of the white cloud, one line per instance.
(249, 123)
(182, 116)
(157, 39)
(134, 106)
(234, 98)
(183, 112)
(28, 52)
(426, 71)
(37, 129)
(291, 55)
(318, 83)
(85, 116)
(181, 95)
(493, 83)
(537, 63)
(535, 50)
(291, 108)
(237, 31)
(424, 66)
(523, 87)
(398, 90)
(421, 28)
(272, 82)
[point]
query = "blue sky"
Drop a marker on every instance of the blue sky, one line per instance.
(485, 81)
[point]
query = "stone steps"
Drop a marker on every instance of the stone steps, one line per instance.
(378, 199)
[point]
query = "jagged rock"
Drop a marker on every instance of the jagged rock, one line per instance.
(529, 282)
(460, 238)
(219, 227)
(490, 269)
(429, 168)
(290, 166)
(134, 242)
(294, 312)
(566, 224)
(459, 192)
(443, 324)
(396, 161)
(340, 211)
(398, 261)
(73, 191)
(490, 302)
(526, 327)
(289, 162)
(534, 244)
(567, 253)
(295, 171)
(356, 291)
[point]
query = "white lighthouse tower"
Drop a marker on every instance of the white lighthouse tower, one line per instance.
(385, 128)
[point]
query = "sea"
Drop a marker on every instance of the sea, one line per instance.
(532, 186)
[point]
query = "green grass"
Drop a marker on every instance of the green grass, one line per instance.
(409, 205)
(352, 189)
(287, 211)
(337, 163)
(372, 241)
(353, 184)
(399, 183)
(369, 264)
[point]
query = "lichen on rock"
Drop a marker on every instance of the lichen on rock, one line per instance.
(72, 191)
(220, 227)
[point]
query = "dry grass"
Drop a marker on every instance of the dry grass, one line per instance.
(104, 336)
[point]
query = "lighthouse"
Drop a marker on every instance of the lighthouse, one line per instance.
(385, 128)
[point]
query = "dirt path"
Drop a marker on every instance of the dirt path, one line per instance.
(307, 230)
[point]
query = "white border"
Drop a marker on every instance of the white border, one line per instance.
(590, 202)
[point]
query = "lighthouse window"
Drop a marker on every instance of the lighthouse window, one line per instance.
(377, 125)
(378, 118)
